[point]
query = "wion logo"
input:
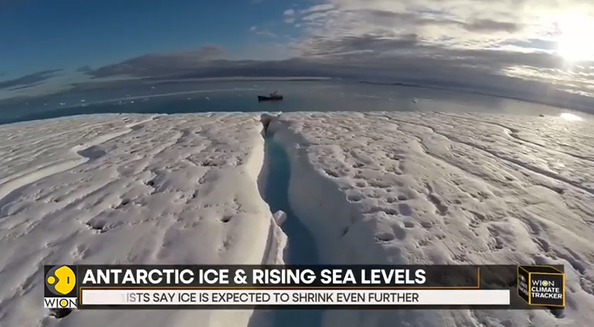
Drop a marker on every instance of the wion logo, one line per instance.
(541, 285)
(60, 289)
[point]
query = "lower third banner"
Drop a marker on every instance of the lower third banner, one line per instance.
(295, 287)
(267, 297)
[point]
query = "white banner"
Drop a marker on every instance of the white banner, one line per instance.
(293, 297)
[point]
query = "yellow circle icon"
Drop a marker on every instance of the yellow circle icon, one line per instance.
(545, 283)
(63, 303)
(60, 280)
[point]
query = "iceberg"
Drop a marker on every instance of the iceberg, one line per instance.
(393, 188)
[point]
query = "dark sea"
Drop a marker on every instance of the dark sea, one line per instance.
(241, 96)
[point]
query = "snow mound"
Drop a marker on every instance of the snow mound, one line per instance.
(130, 189)
(434, 188)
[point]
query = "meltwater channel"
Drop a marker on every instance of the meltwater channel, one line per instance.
(302, 247)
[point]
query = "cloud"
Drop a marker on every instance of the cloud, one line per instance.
(28, 80)
(447, 23)
(263, 32)
(159, 64)
(24, 87)
(266, 33)
(289, 15)
(517, 39)
(318, 8)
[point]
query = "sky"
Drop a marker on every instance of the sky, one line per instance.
(38, 35)
(540, 45)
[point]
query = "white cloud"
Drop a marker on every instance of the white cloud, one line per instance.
(317, 8)
(289, 16)
(458, 30)
(453, 23)
(264, 32)
(267, 33)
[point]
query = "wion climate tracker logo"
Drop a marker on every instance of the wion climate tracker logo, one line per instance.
(541, 285)
(60, 290)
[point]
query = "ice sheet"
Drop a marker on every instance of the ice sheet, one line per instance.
(447, 189)
(129, 189)
(373, 188)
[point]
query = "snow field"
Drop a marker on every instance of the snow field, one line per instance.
(447, 189)
(373, 188)
(130, 189)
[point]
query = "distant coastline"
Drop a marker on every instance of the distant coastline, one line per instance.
(240, 79)
(248, 78)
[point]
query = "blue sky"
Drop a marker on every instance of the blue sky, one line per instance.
(534, 45)
(39, 34)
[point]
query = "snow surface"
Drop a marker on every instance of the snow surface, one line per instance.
(447, 189)
(129, 189)
(372, 188)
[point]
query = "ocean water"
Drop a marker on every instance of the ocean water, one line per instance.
(234, 96)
